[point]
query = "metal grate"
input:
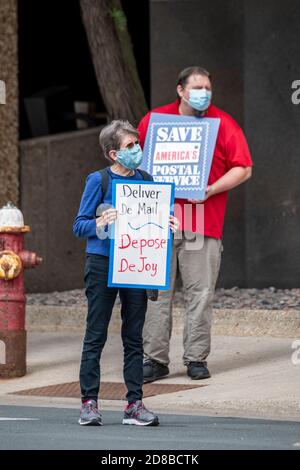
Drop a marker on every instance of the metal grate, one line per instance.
(109, 390)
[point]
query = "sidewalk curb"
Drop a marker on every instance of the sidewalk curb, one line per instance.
(243, 322)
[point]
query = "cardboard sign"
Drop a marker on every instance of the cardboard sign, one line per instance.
(140, 245)
(179, 149)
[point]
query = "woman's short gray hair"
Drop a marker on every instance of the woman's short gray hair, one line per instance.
(111, 136)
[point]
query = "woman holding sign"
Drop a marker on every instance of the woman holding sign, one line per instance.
(120, 145)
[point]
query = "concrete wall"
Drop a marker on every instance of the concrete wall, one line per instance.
(271, 64)
(53, 173)
(9, 137)
(252, 50)
(190, 32)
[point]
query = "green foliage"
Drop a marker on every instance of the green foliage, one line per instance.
(119, 19)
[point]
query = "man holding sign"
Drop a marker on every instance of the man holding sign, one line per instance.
(201, 218)
(120, 145)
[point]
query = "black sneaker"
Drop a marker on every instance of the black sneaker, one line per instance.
(89, 414)
(154, 371)
(198, 370)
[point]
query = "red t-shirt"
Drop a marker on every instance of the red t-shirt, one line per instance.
(231, 150)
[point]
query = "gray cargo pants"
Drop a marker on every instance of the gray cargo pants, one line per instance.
(198, 262)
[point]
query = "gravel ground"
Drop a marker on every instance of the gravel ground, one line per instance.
(235, 298)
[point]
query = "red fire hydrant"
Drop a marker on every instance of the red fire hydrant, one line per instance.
(13, 260)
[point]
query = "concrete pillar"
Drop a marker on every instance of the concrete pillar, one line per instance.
(272, 123)
(9, 112)
(210, 34)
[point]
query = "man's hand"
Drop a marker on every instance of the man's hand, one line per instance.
(107, 218)
(233, 178)
(209, 192)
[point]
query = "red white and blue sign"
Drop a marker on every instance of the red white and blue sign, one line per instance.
(179, 150)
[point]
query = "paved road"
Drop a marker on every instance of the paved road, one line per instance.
(53, 428)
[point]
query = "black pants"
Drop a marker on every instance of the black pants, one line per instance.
(101, 300)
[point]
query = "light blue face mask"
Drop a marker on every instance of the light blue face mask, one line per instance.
(130, 158)
(199, 99)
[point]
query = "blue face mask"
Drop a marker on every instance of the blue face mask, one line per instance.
(199, 99)
(130, 158)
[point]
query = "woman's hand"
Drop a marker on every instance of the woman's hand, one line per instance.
(107, 218)
(174, 223)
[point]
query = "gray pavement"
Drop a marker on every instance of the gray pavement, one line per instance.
(58, 429)
(256, 377)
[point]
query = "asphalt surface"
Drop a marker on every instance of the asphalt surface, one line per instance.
(35, 428)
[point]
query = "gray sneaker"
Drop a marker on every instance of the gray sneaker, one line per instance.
(136, 413)
(89, 414)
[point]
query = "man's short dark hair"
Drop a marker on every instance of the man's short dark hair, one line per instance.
(189, 71)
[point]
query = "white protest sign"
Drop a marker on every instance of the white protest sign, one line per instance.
(140, 248)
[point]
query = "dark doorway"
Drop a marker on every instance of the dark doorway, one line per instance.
(55, 66)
